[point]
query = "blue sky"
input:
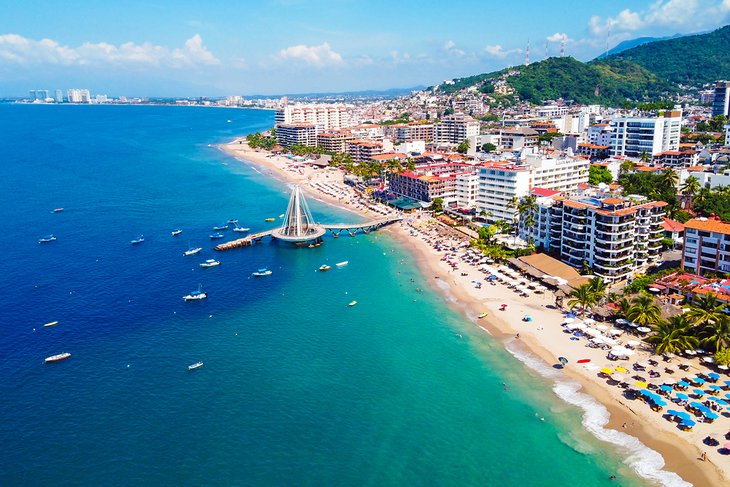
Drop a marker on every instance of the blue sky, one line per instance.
(195, 48)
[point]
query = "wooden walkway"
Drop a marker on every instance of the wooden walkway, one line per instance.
(351, 228)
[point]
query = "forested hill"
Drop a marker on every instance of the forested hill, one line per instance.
(691, 60)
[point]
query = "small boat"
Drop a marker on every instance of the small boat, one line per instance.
(262, 272)
(177, 232)
(196, 295)
(56, 358)
(192, 250)
(324, 267)
(52, 323)
(233, 221)
(352, 303)
(137, 240)
(210, 263)
(281, 216)
(343, 263)
(57, 210)
(482, 315)
(221, 227)
(269, 219)
(241, 229)
(194, 366)
(214, 236)
(229, 121)
(584, 361)
(47, 238)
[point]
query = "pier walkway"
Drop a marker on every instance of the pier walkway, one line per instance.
(335, 228)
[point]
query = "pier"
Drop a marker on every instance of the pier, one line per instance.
(298, 226)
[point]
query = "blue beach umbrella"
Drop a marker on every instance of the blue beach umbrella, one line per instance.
(688, 422)
(660, 402)
(697, 380)
(673, 412)
(727, 383)
(699, 392)
(713, 376)
(571, 315)
(715, 388)
(645, 392)
(727, 395)
(696, 405)
(682, 397)
(666, 388)
(711, 415)
(722, 402)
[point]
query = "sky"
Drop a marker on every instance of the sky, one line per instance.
(269, 47)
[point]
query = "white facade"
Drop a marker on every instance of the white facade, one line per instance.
(710, 179)
(418, 146)
(599, 134)
(78, 96)
(634, 135)
(727, 135)
(325, 116)
(467, 185)
(500, 183)
(454, 129)
(551, 111)
(706, 246)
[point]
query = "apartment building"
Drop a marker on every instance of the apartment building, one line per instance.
(500, 183)
(454, 129)
(429, 182)
(706, 246)
(325, 115)
(412, 132)
(721, 100)
(518, 138)
(334, 140)
(363, 150)
(727, 135)
(615, 237)
(467, 187)
(710, 179)
(594, 151)
(599, 134)
(298, 133)
(369, 131)
(633, 136)
(676, 158)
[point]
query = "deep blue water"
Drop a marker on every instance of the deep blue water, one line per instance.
(297, 388)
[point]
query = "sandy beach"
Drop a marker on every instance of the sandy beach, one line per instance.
(541, 341)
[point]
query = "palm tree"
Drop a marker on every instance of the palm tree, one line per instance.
(702, 195)
(525, 207)
(582, 296)
(644, 157)
(644, 310)
(691, 186)
(627, 166)
(716, 335)
(598, 287)
(669, 178)
(673, 336)
(706, 309)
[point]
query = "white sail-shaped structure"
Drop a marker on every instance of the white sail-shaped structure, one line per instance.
(298, 224)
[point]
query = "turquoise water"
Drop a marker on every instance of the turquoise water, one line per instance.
(297, 387)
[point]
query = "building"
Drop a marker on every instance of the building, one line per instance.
(370, 131)
(551, 111)
(706, 246)
(363, 150)
(721, 101)
(40, 95)
(429, 182)
(710, 179)
(674, 230)
(297, 133)
(58, 98)
(334, 140)
(75, 95)
(599, 134)
(727, 135)
(467, 187)
(413, 131)
(633, 136)
(615, 237)
(518, 138)
(501, 183)
(676, 158)
(455, 129)
(594, 151)
(326, 116)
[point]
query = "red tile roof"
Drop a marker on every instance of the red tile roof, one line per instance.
(544, 192)
(672, 225)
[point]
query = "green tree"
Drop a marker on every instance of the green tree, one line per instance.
(673, 336)
(644, 157)
(437, 205)
(488, 147)
(463, 148)
(706, 309)
(627, 166)
(722, 357)
(599, 174)
(644, 310)
(582, 297)
(691, 186)
(715, 335)
(668, 178)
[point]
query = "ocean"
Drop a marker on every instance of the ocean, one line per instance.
(297, 387)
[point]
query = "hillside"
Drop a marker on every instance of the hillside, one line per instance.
(691, 60)
(631, 43)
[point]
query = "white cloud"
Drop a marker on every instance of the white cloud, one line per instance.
(17, 49)
(319, 56)
(450, 47)
(497, 50)
(675, 15)
(558, 37)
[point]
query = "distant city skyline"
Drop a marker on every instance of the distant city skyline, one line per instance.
(189, 48)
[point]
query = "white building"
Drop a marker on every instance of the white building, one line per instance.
(727, 135)
(75, 95)
(634, 135)
(706, 246)
(454, 129)
(297, 133)
(551, 111)
(709, 179)
(499, 183)
(326, 116)
(599, 134)
(467, 187)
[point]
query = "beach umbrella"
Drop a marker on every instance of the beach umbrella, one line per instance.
(697, 380)
(621, 369)
(659, 402)
(643, 329)
(615, 332)
(697, 405)
(592, 332)
(682, 383)
(727, 383)
(563, 360)
(597, 341)
(632, 324)
(699, 392)
(723, 367)
(708, 360)
(622, 321)
(599, 327)
(669, 381)
(568, 320)
(715, 387)
(643, 364)
(641, 384)
(590, 321)
(666, 388)
(682, 396)
(645, 392)
(571, 315)
(711, 415)
(690, 352)
(633, 343)
(606, 371)
(618, 377)
(688, 422)
(609, 340)
(713, 376)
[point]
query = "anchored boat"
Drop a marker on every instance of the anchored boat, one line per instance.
(324, 267)
(196, 295)
(240, 229)
(177, 232)
(194, 366)
(216, 236)
(342, 264)
(352, 303)
(137, 240)
(262, 272)
(221, 227)
(52, 323)
(47, 238)
(56, 358)
(210, 263)
(192, 250)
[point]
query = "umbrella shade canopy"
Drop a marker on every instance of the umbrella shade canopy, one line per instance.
(690, 352)
(682, 383)
(699, 392)
(688, 422)
(723, 367)
(606, 371)
(666, 388)
(710, 415)
(611, 341)
(621, 321)
(715, 388)
(643, 329)
(682, 396)
(618, 377)
(597, 340)
(598, 327)
(727, 383)
(697, 380)
(615, 332)
(563, 360)
(659, 402)
(697, 405)
(641, 384)
(713, 375)
(644, 364)
(621, 369)
(633, 343)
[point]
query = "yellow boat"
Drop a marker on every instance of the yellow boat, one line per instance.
(482, 315)
(352, 303)
(52, 323)
(270, 219)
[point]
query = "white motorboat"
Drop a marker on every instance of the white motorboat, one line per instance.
(210, 263)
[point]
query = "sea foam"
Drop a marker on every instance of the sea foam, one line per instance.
(647, 463)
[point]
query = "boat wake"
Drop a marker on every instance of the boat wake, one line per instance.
(647, 463)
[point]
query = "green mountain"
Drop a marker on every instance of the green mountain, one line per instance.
(692, 60)
(646, 73)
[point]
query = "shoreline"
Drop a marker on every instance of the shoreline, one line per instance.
(679, 451)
